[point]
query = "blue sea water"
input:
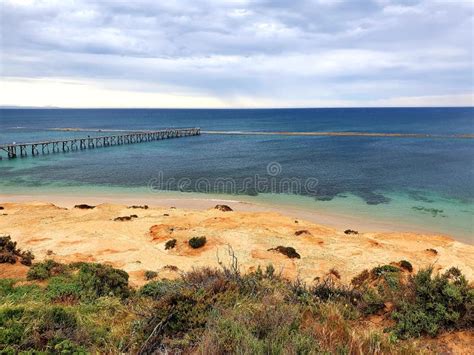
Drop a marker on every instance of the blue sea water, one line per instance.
(418, 181)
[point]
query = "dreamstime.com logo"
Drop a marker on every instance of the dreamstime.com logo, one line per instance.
(271, 182)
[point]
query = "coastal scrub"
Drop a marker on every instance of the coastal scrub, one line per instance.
(89, 307)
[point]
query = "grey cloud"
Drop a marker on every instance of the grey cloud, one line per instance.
(288, 49)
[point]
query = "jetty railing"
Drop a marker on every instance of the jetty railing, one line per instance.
(81, 143)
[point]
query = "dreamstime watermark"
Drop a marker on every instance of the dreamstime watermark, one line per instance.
(271, 182)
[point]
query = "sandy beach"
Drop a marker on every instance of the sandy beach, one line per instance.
(55, 229)
(330, 218)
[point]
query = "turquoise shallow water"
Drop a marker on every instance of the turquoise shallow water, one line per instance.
(435, 215)
(422, 183)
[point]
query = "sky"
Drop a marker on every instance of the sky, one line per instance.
(236, 54)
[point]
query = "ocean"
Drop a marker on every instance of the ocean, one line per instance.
(421, 182)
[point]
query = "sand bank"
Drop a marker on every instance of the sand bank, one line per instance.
(286, 133)
(69, 234)
(343, 134)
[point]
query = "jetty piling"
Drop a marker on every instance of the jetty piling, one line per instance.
(73, 144)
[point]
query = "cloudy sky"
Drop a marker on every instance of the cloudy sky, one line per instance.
(238, 53)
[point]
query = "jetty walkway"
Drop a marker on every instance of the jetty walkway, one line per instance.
(82, 143)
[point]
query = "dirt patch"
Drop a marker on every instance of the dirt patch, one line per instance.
(459, 343)
(13, 271)
(431, 252)
(113, 251)
(76, 257)
(37, 240)
(374, 243)
(160, 232)
(223, 223)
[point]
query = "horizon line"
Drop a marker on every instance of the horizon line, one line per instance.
(7, 107)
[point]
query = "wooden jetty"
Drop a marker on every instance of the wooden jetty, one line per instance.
(81, 143)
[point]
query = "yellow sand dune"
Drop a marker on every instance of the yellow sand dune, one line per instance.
(71, 234)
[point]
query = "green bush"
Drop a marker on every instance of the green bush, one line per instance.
(260, 327)
(69, 347)
(371, 302)
(57, 318)
(12, 330)
(157, 289)
(197, 242)
(63, 289)
(46, 269)
(381, 270)
(433, 304)
(9, 293)
(6, 287)
(35, 326)
(327, 290)
(98, 280)
(90, 282)
(391, 275)
(361, 279)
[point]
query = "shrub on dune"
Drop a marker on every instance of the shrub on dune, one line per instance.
(351, 231)
(434, 303)
(87, 307)
(9, 253)
(197, 242)
(170, 244)
(84, 207)
(46, 269)
(144, 207)
(384, 269)
(98, 280)
(223, 208)
(64, 290)
(288, 251)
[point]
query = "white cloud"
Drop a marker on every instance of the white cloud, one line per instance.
(82, 94)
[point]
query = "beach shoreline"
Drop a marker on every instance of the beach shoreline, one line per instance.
(201, 202)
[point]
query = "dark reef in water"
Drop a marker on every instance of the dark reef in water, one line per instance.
(370, 197)
(418, 196)
(434, 211)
